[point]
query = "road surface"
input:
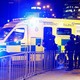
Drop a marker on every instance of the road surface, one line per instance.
(58, 75)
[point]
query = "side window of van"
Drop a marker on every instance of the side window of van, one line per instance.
(64, 31)
(17, 34)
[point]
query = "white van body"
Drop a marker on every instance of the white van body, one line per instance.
(28, 34)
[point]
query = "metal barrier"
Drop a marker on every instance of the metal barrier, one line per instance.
(23, 65)
(20, 66)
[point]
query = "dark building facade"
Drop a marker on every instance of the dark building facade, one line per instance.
(71, 9)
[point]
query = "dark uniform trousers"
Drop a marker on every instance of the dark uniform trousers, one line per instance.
(70, 56)
(49, 59)
(77, 56)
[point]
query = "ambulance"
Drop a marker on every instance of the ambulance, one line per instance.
(21, 34)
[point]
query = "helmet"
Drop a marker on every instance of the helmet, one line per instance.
(72, 36)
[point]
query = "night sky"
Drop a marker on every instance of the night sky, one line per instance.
(8, 11)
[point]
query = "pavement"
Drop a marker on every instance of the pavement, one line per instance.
(58, 75)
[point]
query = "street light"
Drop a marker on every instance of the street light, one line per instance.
(44, 7)
(38, 3)
(50, 9)
(8, 20)
(48, 6)
(52, 14)
(43, 10)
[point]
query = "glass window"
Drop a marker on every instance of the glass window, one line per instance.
(17, 35)
(4, 32)
(63, 31)
(47, 31)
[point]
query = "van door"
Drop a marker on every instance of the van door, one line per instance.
(14, 40)
(46, 31)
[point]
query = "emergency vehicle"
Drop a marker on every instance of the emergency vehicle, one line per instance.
(21, 35)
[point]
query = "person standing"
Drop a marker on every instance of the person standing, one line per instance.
(70, 47)
(49, 51)
(77, 52)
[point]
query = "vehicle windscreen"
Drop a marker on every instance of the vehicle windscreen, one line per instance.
(4, 32)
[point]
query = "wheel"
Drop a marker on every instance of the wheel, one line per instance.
(61, 58)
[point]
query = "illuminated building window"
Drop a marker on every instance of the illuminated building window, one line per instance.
(71, 9)
(79, 10)
(76, 6)
(78, 17)
(74, 10)
(67, 7)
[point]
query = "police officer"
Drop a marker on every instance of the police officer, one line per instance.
(77, 51)
(70, 46)
(49, 51)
